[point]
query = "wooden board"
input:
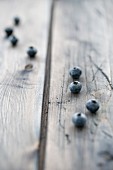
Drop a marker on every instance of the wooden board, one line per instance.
(82, 35)
(21, 91)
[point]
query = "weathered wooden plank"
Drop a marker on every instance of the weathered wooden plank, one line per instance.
(21, 91)
(81, 37)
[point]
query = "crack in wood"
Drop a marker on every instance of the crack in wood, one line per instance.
(103, 73)
(46, 102)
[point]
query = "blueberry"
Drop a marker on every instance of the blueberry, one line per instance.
(75, 72)
(75, 87)
(8, 31)
(79, 119)
(13, 40)
(32, 52)
(92, 105)
(16, 21)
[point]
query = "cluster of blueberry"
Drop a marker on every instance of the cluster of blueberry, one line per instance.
(9, 31)
(79, 119)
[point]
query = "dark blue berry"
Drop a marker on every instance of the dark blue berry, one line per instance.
(16, 21)
(13, 40)
(75, 72)
(79, 119)
(92, 105)
(75, 87)
(8, 31)
(32, 52)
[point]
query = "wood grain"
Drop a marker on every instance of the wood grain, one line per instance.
(21, 90)
(82, 35)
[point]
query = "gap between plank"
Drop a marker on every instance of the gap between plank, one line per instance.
(44, 115)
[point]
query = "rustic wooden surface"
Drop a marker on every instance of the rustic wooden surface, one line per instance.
(67, 33)
(82, 35)
(21, 91)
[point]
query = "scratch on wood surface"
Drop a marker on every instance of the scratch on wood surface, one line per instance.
(61, 102)
(103, 73)
(107, 133)
(94, 74)
(68, 138)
